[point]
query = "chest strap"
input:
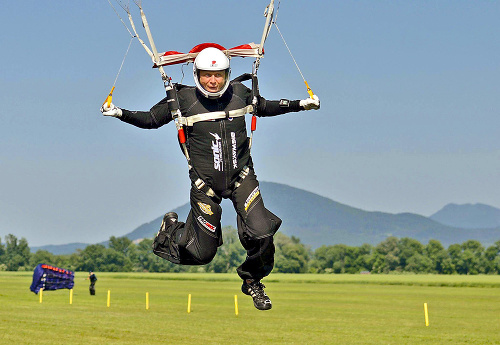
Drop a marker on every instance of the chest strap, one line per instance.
(215, 115)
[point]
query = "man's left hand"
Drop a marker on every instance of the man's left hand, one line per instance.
(310, 103)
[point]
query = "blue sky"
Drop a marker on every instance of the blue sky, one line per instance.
(409, 117)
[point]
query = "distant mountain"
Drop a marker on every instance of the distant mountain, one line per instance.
(61, 249)
(468, 216)
(318, 221)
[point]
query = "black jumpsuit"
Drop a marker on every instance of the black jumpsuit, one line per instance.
(93, 280)
(219, 150)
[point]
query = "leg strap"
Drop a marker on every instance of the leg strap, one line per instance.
(201, 185)
(243, 173)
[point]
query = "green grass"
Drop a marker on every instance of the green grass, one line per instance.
(307, 309)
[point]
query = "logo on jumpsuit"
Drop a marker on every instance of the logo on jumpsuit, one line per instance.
(206, 224)
(217, 151)
(205, 208)
(255, 193)
(234, 150)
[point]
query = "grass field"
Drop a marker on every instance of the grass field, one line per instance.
(307, 309)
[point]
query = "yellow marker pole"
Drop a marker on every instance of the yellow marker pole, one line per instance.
(71, 296)
(147, 300)
(189, 304)
(109, 298)
(41, 295)
(426, 314)
(236, 305)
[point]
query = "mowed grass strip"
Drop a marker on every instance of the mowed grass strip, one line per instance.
(307, 309)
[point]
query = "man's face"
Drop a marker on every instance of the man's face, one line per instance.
(212, 81)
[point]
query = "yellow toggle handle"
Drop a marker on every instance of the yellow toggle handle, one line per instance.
(110, 97)
(309, 91)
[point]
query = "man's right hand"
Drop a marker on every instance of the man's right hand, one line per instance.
(310, 103)
(112, 110)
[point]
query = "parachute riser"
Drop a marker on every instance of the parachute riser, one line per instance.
(173, 104)
(255, 99)
(173, 107)
(156, 58)
(268, 13)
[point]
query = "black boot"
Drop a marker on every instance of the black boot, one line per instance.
(169, 218)
(164, 244)
(256, 289)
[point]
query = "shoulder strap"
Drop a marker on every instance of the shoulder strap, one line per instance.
(243, 77)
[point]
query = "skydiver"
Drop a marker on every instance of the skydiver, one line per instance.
(221, 168)
(92, 277)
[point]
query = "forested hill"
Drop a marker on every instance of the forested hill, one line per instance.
(318, 221)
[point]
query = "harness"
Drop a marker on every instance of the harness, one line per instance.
(216, 115)
(173, 57)
(202, 186)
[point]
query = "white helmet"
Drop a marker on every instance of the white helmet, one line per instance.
(211, 59)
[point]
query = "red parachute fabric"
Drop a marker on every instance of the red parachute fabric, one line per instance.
(175, 57)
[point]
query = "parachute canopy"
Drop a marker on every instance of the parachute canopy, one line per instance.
(175, 57)
(49, 277)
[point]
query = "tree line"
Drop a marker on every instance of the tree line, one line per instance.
(391, 255)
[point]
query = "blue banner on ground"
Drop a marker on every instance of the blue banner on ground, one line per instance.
(49, 277)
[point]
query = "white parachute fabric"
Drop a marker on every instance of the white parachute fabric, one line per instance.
(175, 57)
